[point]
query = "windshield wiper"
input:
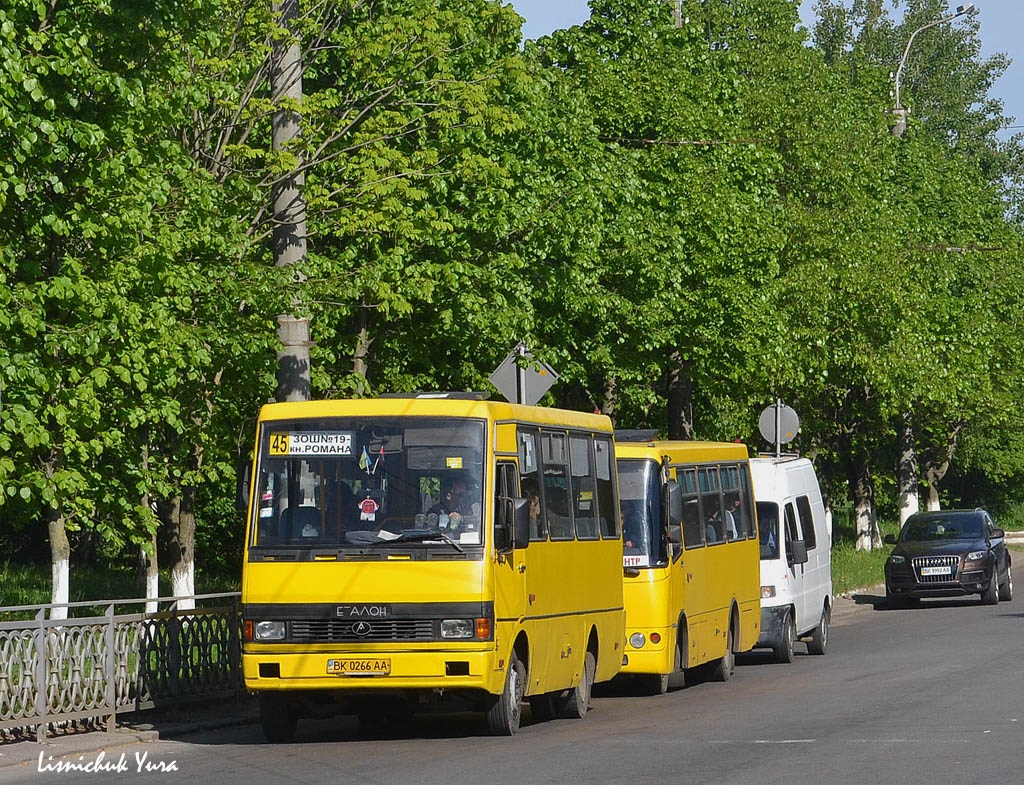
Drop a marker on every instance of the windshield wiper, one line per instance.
(420, 535)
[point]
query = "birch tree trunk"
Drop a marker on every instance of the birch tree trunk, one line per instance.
(907, 501)
(60, 555)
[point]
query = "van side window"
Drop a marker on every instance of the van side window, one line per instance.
(748, 501)
(768, 528)
(529, 473)
(581, 470)
(792, 530)
(711, 506)
(687, 480)
(555, 459)
(607, 509)
(803, 506)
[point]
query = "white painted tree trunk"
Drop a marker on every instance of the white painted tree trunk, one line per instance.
(933, 496)
(151, 574)
(60, 571)
(908, 500)
(182, 551)
(868, 536)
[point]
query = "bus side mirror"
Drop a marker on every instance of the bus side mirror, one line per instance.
(244, 470)
(797, 552)
(673, 498)
(511, 524)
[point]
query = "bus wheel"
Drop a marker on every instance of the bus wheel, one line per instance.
(507, 710)
(787, 635)
(544, 707)
(579, 697)
(723, 669)
(277, 716)
(656, 684)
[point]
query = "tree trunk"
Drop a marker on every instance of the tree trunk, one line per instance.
(60, 555)
(862, 488)
(360, 357)
(935, 470)
(680, 399)
(293, 364)
(149, 573)
(907, 501)
(182, 523)
(610, 402)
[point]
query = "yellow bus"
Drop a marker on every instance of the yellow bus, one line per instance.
(404, 551)
(691, 557)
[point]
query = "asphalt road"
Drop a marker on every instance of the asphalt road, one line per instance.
(928, 695)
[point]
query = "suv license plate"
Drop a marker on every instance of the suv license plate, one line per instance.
(936, 570)
(359, 667)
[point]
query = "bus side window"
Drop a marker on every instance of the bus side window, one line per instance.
(555, 463)
(581, 470)
(529, 474)
(711, 503)
(692, 537)
(607, 512)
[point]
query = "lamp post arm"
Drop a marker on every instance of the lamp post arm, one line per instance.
(906, 51)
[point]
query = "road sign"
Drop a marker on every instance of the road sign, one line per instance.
(788, 423)
(525, 381)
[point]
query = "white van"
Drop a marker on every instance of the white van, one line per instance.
(796, 556)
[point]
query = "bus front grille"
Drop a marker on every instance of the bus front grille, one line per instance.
(332, 631)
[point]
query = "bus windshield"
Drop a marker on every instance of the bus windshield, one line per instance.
(358, 482)
(640, 497)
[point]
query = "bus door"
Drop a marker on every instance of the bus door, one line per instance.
(692, 571)
(530, 562)
(509, 593)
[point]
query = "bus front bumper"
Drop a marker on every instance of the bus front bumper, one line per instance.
(651, 658)
(405, 670)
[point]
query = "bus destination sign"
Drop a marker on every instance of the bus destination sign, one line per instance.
(310, 443)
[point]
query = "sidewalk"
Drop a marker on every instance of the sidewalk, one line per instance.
(135, 728)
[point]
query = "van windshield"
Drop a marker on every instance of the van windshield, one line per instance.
(768, 529)
(370, 481)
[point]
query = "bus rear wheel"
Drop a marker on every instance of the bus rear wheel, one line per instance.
(723, 669)
(579, 696)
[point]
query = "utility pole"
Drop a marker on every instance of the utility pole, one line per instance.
(293, 368)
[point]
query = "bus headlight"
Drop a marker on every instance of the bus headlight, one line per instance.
(458, 628)
(270, 630)
(637, 640)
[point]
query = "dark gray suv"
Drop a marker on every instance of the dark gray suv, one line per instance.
(943, 554)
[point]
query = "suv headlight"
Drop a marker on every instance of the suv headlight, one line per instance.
(457, 628)
(897, 559)
(976, 555)
(270, 630)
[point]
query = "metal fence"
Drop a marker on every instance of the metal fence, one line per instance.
(95, 667)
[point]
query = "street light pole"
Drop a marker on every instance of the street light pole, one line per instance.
(898, 109)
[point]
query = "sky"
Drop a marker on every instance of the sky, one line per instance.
(1002, 22)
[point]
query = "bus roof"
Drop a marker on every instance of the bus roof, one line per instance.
(682, 452)
(435, 407)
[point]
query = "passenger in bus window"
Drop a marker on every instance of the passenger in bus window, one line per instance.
(532, 493)
(454, 504)
(732, 512)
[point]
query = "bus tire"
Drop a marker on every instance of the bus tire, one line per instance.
(579, 696)
(655, 683)
(277, 718)
(507, 709)
(544, 707)
(723, 668)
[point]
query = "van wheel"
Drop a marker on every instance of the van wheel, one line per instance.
(579, 696)
(818, 644)
(723, 669)
(1006, 590)
(507, 710)
(278, 719)
(784, 648)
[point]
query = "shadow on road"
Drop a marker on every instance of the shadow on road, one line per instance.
(880, 603)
